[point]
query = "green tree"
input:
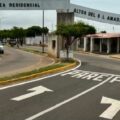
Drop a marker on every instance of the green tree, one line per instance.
(74, 31)
(33, 31)
(45, 30)
(18, 34)
(103, 31)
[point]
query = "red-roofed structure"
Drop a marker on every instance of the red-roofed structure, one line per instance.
(101, 42)
(104, 35)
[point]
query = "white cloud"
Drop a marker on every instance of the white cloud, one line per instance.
(25, 19)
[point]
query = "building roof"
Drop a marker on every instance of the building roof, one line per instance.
(104, 35)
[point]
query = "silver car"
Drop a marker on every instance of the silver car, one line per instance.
(1, 48)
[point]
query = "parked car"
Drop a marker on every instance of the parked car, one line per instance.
(1, 48)
(12, 42)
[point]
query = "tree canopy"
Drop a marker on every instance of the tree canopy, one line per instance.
(76, 30)
(73, 31)
(18, 33)
(33, 31)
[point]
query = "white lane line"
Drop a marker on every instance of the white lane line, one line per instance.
(68, 100)
(39, 79)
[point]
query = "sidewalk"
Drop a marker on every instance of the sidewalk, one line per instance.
(117, 56)
(112, 56)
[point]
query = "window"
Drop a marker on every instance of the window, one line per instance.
(3, 4)
(53, 44)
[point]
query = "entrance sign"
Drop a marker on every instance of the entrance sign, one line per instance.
(95, 15)
(112, 110)
(34, 4)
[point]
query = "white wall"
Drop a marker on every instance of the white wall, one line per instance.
(36, 40)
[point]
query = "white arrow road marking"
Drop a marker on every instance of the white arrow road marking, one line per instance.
(112, 110)
(68, 100)
(36, 91)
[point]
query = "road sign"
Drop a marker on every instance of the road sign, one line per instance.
(36, 91)
(95, 15)
(34, 4)
(112, 110)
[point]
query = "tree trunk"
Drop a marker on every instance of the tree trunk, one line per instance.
(67, 54)
(67, 49)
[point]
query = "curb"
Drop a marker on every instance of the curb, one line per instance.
(39, 74)
(118, 58)
(98, 55)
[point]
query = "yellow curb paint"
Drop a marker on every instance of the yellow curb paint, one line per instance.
(39, 74)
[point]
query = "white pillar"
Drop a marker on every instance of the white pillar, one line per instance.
(108, 46)
(118, 45)
(77, 44)
(100, 45)
(85, 44)
(91, 44)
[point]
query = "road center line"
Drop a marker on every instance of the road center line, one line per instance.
(68, 100)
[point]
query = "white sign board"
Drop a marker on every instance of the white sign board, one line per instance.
(34, 4)
(95, 15)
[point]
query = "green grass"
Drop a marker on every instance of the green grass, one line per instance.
(51, 67)
(40, 70)
(31, 50)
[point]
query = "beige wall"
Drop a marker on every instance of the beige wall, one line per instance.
(52, 51)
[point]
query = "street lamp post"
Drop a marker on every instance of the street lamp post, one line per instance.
(43, 34)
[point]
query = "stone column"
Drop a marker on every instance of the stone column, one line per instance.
(100, 45)
(118, 45)
(91, 44)
(85, 44)
(108, 46)
(77, 44)
(63, 17)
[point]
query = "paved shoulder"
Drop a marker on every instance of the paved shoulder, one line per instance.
(16, 61)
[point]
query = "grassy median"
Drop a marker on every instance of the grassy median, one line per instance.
(57, 67)
(32, 51)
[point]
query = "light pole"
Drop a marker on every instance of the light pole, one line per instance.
(43, 34)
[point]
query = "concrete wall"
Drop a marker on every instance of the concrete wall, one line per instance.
(62, 18)
(52, 50)
(35, 40)
(65, 18)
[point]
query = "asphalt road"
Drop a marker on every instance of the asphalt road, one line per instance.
(17, 61)
(90, 92)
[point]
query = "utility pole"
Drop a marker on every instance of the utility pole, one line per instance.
(43, 34)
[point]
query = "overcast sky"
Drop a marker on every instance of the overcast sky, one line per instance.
(8, 19)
